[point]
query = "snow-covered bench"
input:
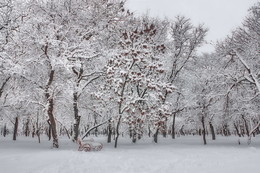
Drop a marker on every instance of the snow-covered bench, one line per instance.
(89, 145)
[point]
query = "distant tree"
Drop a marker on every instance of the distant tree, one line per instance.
(11, 14)
(184, 40)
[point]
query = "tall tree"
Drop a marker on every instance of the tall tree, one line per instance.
(133, 71)
(241, 51)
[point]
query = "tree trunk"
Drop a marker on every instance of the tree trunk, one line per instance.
(164, 130)
(203, 130)
(15, 128)
(155, 136)
(33, 131)
(134, 138)
(130, 132)
(27, 131)
(76, 95)
(173, 126)
(212, 131)
(49, 130)
(76, 116)
(238, 133)
(5, 131)
(50, 110)
(109, 130)
(139, 136)
(181, 131)
(149, 131)
(96, 132)
(61, 131)
(71, 131)
(38, 135)
(200, 132)
(53, 124)
(246, 125)
(117, 130)
(225, 130)
(37, 132)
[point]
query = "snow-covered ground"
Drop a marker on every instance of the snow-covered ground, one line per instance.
(184, 154)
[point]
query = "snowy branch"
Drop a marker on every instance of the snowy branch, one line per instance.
(96, 126)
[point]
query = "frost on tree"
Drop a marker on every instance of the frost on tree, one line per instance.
(133, 75)
(241, 52)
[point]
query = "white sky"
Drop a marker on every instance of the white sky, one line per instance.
(220, 16)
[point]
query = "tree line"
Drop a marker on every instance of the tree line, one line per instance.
(75, 67)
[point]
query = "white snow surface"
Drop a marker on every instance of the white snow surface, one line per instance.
(182, 155)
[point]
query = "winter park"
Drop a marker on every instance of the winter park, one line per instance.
(129, 86)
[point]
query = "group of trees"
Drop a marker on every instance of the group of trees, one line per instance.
(74, 67)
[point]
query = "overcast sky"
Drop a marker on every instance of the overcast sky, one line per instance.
(220, 16)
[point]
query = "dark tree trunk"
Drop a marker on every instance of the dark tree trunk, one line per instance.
(114, 133)
(33, 131)
(173, 126)
(246, 125)
(79, 74)
(61, 131)
(50, 111)
(96, 132)
(37, 132)
(225, 130)
(139, 136)
(117, 130)
(130, 132)
(53, 128)
(164, 130)
(53, 124)
(149, 131)
(212, 131)
(238, 133)
(27, 131)
(49, 130)
(181, 131)
(200, 132)
(134, 137)
(15, 128)
(38, 135)
(109, 130)
(71, 130)
(242, 132)
(155, 136)
(76, 116)
(5, 131)
(203, 130)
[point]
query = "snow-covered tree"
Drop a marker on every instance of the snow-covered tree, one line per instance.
(183, 41)
(241, 51)
(133, 71)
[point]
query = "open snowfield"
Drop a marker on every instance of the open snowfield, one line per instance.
(184, 154)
